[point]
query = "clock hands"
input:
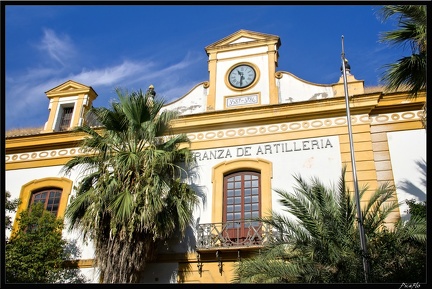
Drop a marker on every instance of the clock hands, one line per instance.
(241, 77)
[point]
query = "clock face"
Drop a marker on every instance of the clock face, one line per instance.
(242, 76)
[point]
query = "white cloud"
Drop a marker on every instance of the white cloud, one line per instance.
(57, 48)
(25, 90)
(109, 76)
(30, 87)
(28, 90)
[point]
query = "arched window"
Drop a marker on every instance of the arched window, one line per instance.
(56, 201)
(242, 202)
(49, 197)
(224, 169)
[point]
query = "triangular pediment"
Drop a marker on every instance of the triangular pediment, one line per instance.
(244, 37)
(69, 87)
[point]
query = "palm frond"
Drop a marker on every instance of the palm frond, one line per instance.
(408, 71)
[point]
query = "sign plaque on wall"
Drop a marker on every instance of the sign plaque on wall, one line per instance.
(242, 100)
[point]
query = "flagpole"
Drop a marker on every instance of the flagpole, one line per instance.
(354, 170)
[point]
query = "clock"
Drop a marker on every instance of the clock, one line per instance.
(241, 76)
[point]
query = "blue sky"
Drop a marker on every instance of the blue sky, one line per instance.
(133, 46)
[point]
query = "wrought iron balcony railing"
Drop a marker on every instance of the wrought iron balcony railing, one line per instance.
(233, 234)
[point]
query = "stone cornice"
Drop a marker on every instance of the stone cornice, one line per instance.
(44, 141)
(398, 102)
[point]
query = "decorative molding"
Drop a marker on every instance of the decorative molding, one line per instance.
(396, 117)
(275, 128)
(42, 155)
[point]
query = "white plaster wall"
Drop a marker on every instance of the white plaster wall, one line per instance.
(407, 152)
(242, 39)
(408, 159)
(324, 163)
(294, 89)
(193, 102)
(240, 53)
(91, 275)
(15, 179)
(222, 90)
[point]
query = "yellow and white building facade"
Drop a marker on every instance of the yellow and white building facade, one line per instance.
(252, 129)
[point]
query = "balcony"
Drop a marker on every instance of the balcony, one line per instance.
(232, 235)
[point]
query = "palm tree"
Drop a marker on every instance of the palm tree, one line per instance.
(316, 239)
(130, 197)
(409, 70)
